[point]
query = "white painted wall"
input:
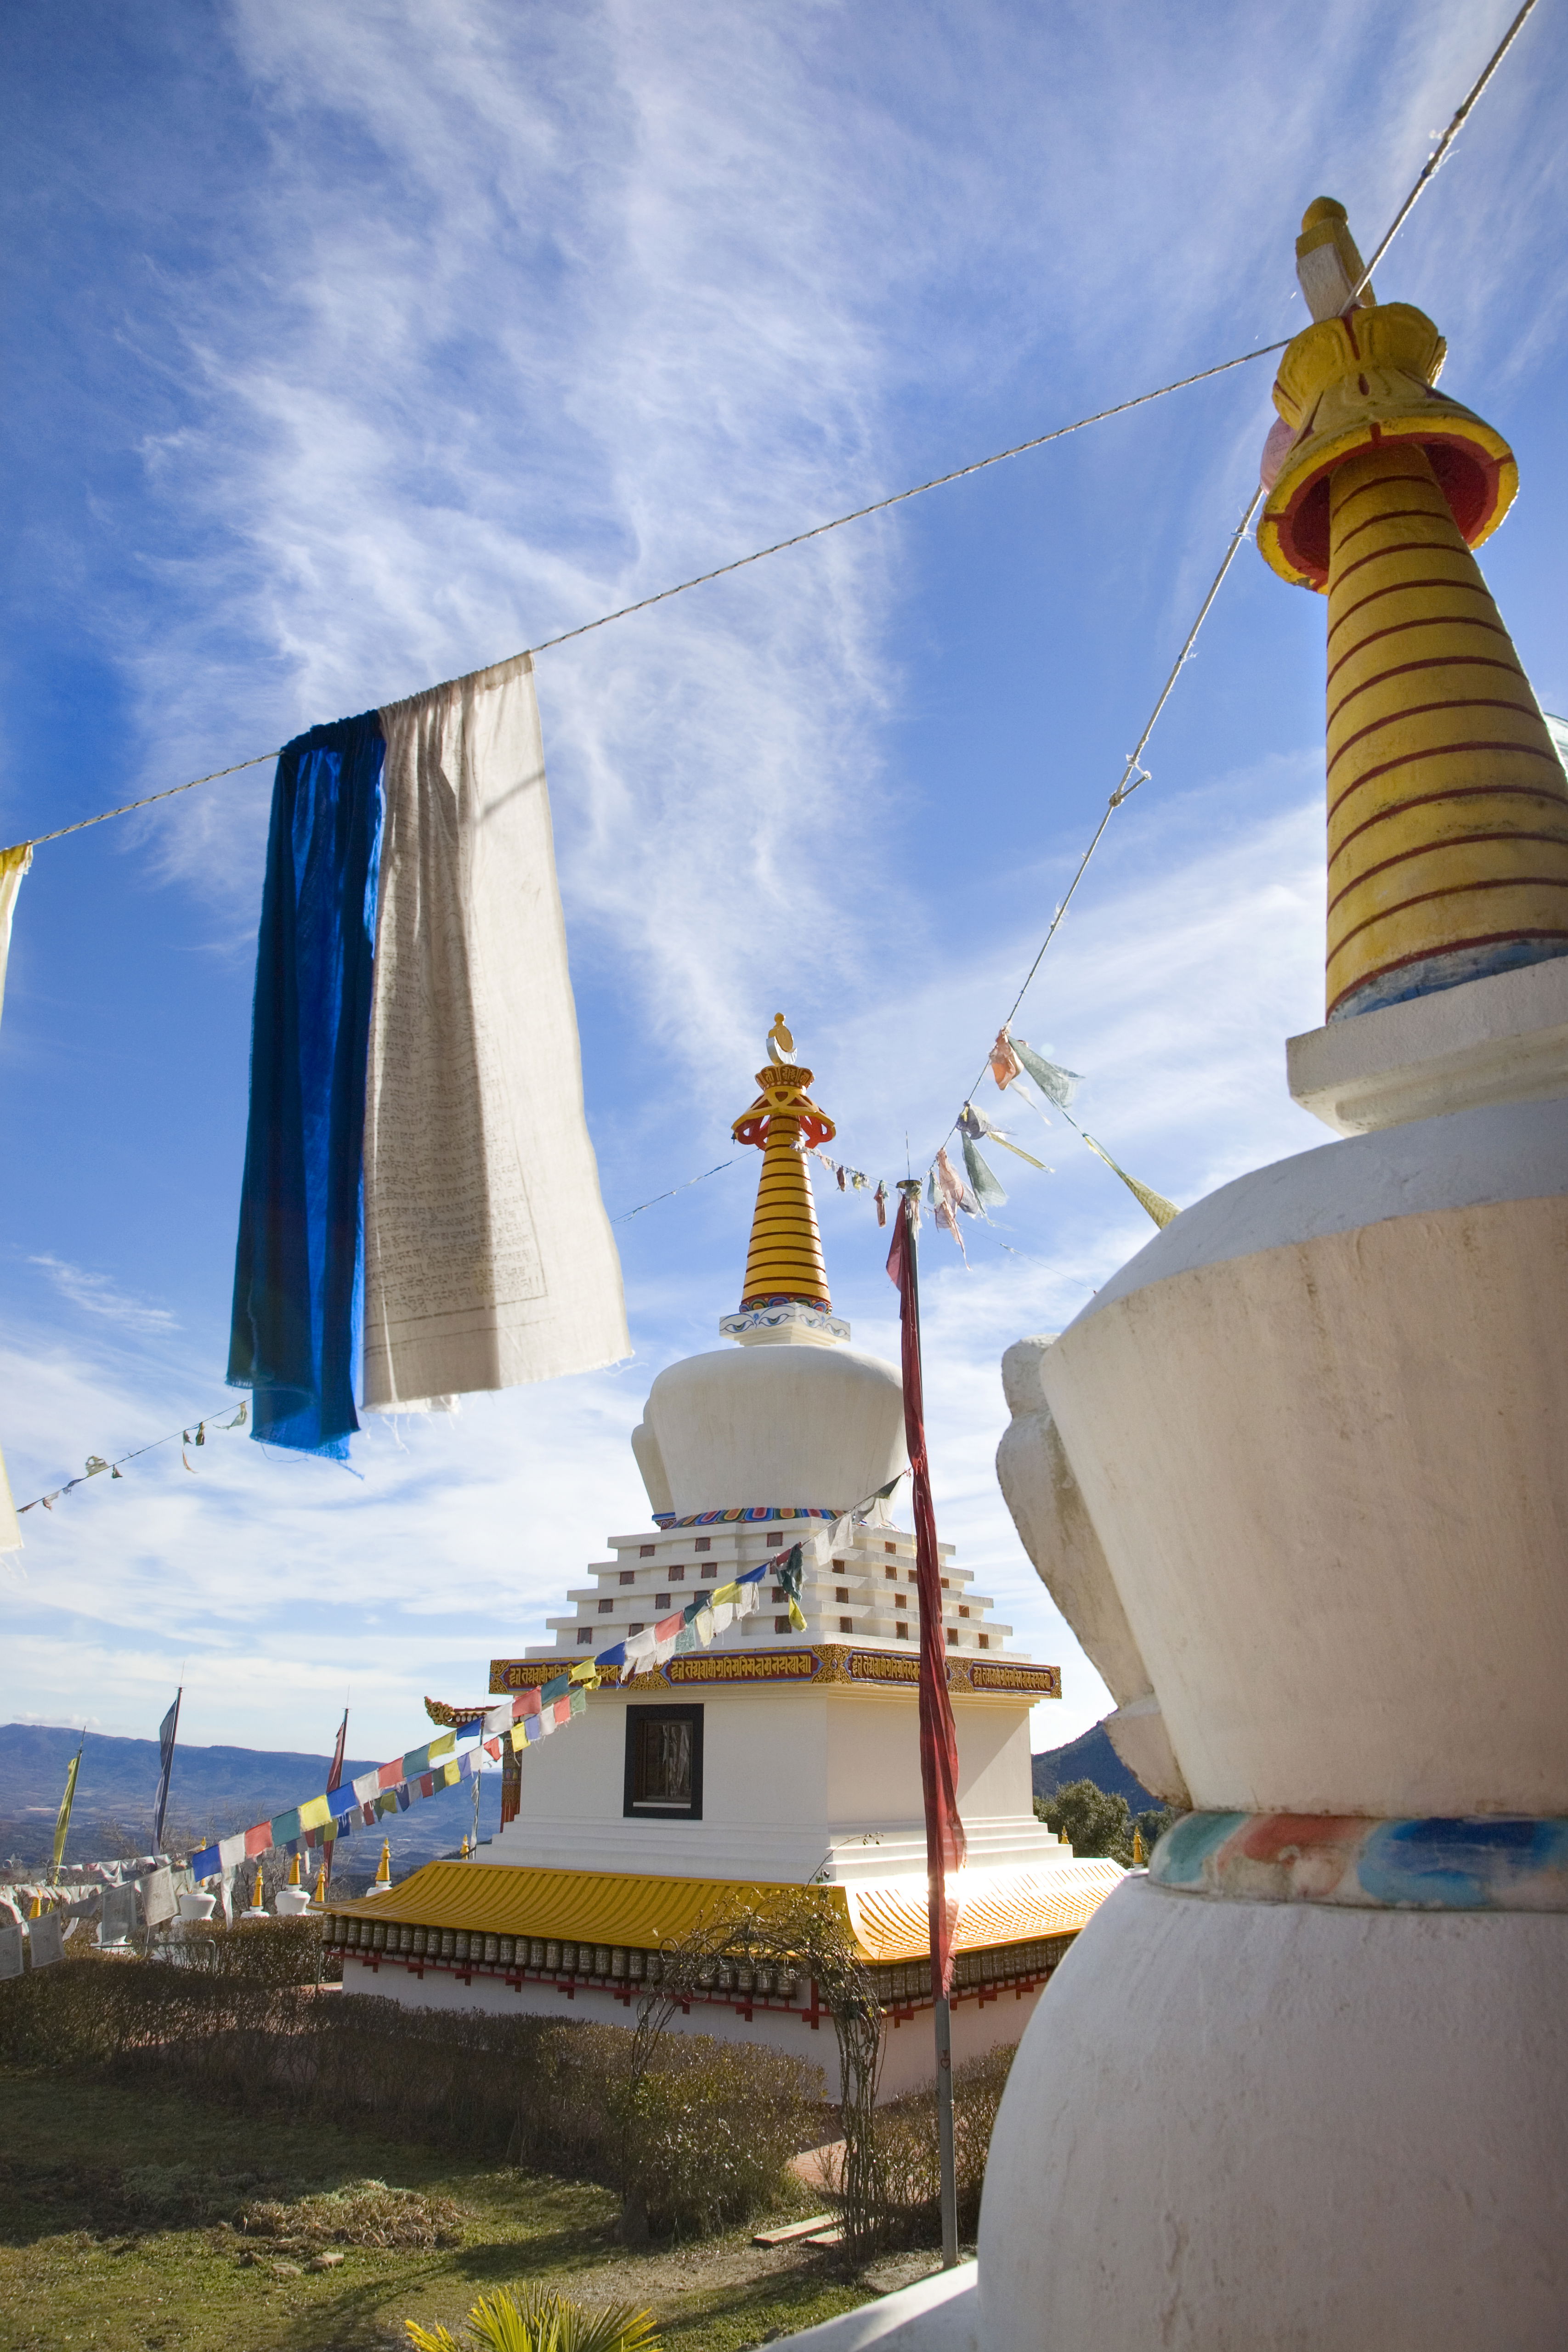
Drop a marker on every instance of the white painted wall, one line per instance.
(794, 1778)
(1259, 2127)
(908, 2060)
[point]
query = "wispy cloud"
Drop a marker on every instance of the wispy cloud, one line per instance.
(98, 1294)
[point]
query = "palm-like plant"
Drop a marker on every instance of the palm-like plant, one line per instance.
(543, 2322)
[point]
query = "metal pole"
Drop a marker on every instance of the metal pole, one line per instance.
(944, 2132)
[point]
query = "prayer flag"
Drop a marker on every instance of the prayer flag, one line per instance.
(335, 1776)
(479, 1270)
(166, 1733)
(63, 1818)
(945, 1843)
(299, 1262)
(1057, 1085)
(1155, 1203)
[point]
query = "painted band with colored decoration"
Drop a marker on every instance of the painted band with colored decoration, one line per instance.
(1504, 1862)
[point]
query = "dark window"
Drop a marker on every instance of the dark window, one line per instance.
(985, 1641)
(710, 1568)
(661, 1603)
(677, 1574)
(778, 1595)
(846, 1624)
(901, 1629)
(888, 1547)
(605, 1607)
(628, 1576)
(637, 1628)
(645, 1551)
(961, 1610)
(841, 1592)
(891, 1573)
(900, 1599)
(664, 1762)
(781, 1624)
(775, 1543)
(952, 1637)
(703, 1543)
(585, 1634)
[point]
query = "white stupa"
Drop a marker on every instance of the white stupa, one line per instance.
(776, 1757)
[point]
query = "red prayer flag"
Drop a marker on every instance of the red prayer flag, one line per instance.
(945, 1844)
(334, 1777)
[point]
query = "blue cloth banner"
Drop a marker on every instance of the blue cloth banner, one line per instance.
(299, 1268)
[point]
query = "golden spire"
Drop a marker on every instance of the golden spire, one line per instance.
(784, 1261)
(1447, 813)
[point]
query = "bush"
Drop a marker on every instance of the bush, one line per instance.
(908, 2164)
(1095, 1822)
(710, 2128)
(703, 2140)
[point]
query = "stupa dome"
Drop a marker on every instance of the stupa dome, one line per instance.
(791, 1416)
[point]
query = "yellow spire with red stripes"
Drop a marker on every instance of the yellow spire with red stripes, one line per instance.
(784, 1261)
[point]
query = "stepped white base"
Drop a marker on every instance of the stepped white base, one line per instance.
(1258, 2127)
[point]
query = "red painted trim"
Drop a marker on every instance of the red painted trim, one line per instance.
(1381, 482)
(1422, 709)
(1445, 751)
(1455, 841)
(1456, 890)
(1405, 547)
(1459, 792)
(1439, 513)
(1422, 620)
(1427, 661)
(1398, 587)
(1425, 955)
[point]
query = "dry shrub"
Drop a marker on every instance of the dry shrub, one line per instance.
(361, 2213)
(261, 1951)
(712, 2126)
(907, 2148)
(703, 2138)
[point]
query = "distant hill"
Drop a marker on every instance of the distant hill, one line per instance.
(1091, 1757)
(213, 1792)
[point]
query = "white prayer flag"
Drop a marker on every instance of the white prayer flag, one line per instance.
(11, 1951)
(45, 1942)
(157, 1892)
(488, 1258)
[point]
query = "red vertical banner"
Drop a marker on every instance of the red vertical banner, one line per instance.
(945, 1845)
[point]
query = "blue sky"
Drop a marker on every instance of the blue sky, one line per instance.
(353, 347)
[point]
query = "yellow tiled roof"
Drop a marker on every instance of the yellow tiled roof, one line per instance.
(888, 1922)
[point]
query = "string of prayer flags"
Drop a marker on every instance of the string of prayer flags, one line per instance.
(96, 1464)
(1158, 1207)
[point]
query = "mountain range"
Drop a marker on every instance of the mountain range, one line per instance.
(213, 1791)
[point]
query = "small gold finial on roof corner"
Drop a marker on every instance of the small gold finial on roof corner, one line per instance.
(781, 1044)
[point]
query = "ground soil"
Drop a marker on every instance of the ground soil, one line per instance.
(118, 2212)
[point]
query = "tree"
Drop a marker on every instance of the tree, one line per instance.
(1095, 1822)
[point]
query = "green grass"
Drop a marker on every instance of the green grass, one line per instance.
(112, 2235)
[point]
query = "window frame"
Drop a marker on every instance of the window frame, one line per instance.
(643, 1810)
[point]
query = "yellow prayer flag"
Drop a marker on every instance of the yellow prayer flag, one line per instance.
(315, 1811)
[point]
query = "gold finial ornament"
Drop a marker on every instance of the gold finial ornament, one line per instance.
(785, 1260)
(384, 1867)
(294, 1872)
(1447, 806)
